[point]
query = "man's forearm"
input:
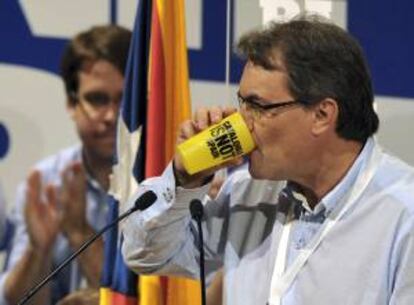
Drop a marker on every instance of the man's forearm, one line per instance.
(91, 260)
(30, 270)
(159, 240)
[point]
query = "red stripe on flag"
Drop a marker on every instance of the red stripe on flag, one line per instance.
(122, 299)
(156, 122)
(164, 285)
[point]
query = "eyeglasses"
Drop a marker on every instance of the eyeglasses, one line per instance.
(96, 103)
(98, 99)
(258, 110)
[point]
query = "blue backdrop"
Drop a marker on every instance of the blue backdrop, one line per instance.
(382, 27)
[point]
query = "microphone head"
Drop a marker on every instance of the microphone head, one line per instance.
(196, 209)
(145, 200)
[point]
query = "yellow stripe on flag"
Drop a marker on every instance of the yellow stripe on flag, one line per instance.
(183, 291)
(150, 290)
(180, 291)
(104, 296)
(178, 106)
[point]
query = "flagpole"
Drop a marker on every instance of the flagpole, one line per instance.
(228, 52)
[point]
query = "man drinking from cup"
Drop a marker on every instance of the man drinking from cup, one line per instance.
(322, 215)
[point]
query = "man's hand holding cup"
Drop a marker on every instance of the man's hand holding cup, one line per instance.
(215, 138)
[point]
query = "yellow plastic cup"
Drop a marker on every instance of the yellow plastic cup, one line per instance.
(221, 142)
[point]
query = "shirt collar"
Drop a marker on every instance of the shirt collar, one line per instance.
(331, 199)
(91, 181)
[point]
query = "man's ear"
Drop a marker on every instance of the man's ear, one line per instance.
(71, 100)
(71, 107)
(325, 116)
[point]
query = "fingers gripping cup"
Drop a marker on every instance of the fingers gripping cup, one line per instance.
(221, 142)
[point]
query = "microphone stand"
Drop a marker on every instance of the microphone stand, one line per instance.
(196, 209)
(146, 200)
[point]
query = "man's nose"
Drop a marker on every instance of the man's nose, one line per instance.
(111, 113)
(248, 118)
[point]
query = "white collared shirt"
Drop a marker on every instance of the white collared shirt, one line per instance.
(367, 258)
(70, 278)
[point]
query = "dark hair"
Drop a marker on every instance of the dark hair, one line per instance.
(322, 61)
(109, 42)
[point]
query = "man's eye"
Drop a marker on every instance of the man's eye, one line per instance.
(97, 98)
(254, 104)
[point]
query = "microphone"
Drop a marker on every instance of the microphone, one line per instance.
(197, 210)
(143, 202)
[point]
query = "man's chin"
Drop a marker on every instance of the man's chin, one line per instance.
(261, 173)
(105, 154)
(254, 172)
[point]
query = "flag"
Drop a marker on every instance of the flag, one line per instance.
(156, 101)
(168, 107)
(119, 285)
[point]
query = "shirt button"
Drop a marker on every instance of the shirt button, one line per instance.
(300, 243)
(168, 195)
